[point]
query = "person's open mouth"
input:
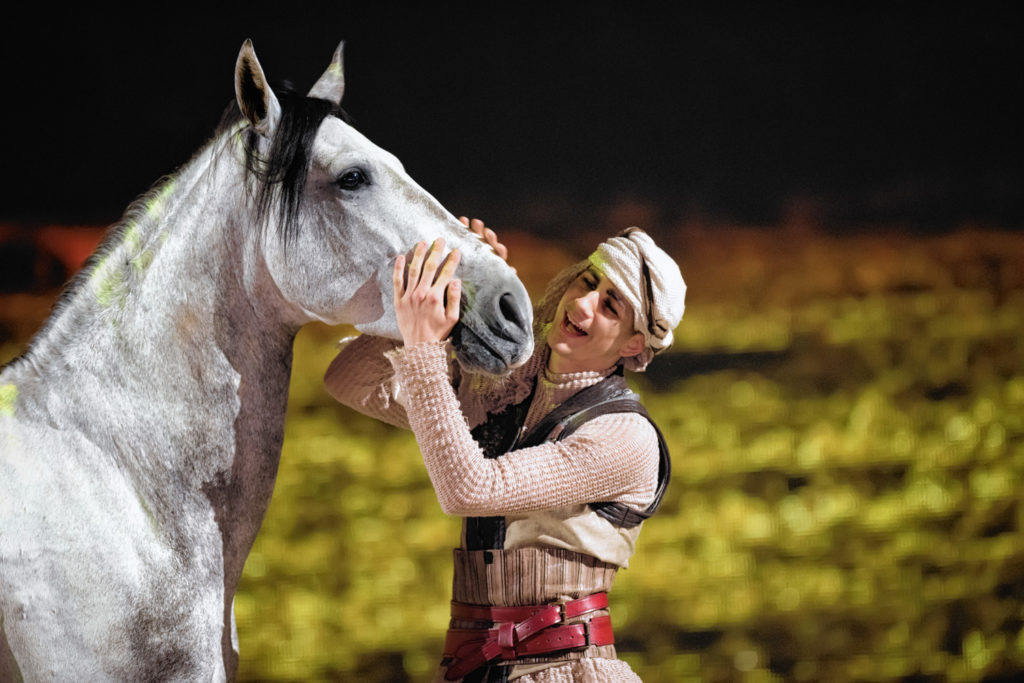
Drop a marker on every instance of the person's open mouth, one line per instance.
(573, 329)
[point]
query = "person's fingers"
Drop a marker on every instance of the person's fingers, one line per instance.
(491, 238)
(431, 264)
(453, 302)
(398, 277)
(447, 272)
(464, 221)
(477, 226)
(416, 266)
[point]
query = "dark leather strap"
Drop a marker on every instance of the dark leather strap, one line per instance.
(617, 513)
(550, 428)
(499, 434)
(611, 395)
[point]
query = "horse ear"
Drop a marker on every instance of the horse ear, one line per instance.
(331, 85)
(255, 98)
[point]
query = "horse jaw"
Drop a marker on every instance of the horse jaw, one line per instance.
(365, 307)
(385, 323)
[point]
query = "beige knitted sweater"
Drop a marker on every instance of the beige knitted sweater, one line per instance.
(612, 457)
(543, 490)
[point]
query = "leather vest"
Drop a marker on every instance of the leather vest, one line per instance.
(502, 433)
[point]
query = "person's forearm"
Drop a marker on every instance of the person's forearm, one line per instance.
(589, 466)
(361, 378)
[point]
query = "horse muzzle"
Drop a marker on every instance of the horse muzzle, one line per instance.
(495, 329)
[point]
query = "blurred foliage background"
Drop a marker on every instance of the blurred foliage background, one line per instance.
(846, 417)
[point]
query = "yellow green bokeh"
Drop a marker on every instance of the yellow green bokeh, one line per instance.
(846, 417)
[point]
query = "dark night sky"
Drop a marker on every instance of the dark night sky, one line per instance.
(873, 113)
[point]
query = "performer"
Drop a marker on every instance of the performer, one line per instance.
(553, 468)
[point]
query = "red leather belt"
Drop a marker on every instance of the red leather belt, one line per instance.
(523, 632)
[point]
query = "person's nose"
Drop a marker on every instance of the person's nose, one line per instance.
(587, 304)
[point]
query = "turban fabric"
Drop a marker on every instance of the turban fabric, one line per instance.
(649, 279)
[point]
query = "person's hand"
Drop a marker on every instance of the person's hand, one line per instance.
(477, 227)
(424, 313)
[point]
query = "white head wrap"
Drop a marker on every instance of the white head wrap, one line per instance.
(650, 281)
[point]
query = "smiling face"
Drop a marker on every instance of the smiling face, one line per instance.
(593, 326)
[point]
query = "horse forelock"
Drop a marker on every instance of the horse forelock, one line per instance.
(281, 170)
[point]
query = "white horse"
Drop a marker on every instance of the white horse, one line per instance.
(140, 435)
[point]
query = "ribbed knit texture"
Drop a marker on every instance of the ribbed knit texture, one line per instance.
(612, 457)
(553, 389)
(360, 377)
(527, 576)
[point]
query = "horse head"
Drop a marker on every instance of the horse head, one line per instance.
(344, 209)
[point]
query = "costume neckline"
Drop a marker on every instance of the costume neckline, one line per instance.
(559, 378)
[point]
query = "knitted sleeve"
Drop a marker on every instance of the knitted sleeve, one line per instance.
(612, 457)
(361, 378)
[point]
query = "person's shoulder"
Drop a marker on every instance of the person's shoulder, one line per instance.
(624, 425)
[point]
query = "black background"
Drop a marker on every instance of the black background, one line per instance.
(867, 113)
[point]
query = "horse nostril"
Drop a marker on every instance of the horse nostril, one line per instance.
(509, 311)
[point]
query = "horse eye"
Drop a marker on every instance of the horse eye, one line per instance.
(352, 179)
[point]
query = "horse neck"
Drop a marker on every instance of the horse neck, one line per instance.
(180, 265)
(171, 351)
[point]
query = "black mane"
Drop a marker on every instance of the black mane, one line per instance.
(282, 174)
